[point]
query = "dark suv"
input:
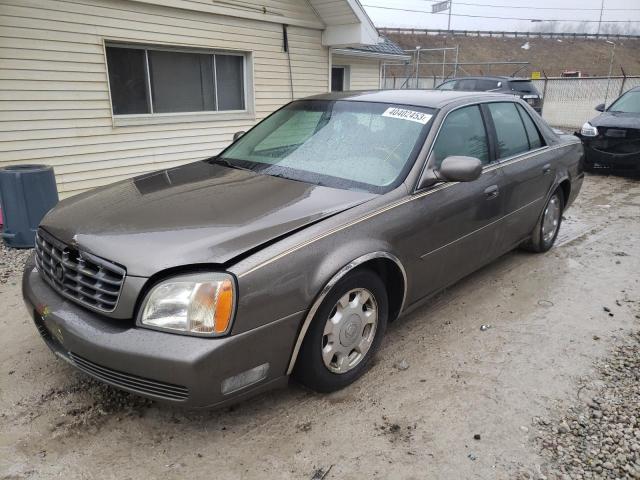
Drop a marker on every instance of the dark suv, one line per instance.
(521, 87)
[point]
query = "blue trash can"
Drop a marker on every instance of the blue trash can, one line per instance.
(27, 193)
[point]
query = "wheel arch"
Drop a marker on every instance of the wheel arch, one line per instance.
(565, 187)
(385, 264)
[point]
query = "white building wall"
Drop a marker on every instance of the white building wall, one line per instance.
(54, 97)
(364, 73)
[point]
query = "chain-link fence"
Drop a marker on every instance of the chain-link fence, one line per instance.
(411, 82)
(568, 102)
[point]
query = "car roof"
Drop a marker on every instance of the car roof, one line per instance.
(419, 98)
(491, 77)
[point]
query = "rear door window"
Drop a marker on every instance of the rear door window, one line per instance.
(485, 84)
(462, 133)
(510, 132)
(535, 139)
(447, 85)
(468, 84)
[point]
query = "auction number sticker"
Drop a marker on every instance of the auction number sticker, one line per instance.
(405, 114)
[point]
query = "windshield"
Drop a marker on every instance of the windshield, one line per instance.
(342, 144)
(627, 103)
(524, 86)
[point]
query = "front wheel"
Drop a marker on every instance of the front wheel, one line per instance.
(546, 230)
(344, 334)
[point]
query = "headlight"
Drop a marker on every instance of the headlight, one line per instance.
(588, 130)
(199, 304)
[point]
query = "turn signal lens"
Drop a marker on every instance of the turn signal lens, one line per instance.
(224, 307)
(199, 304)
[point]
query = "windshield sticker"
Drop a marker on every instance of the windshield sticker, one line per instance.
(410, 115)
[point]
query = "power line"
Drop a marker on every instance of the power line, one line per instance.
(493, 17)
(549, 8)
(540, 8)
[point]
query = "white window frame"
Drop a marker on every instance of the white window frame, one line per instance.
(153, 118)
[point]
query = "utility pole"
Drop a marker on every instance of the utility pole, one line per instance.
(455, 66)
(599, 21)
(417, 63)
(451, 6)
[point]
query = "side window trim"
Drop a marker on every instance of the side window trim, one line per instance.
(522, 112)
(494, 138)
(495, 133)
(490, 131)
(429, 161)
(526, 131)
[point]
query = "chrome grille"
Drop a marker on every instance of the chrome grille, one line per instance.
(78, 275)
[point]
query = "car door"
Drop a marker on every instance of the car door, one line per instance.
(454, 233)
(527, 168)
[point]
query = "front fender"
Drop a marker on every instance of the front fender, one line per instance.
(328, 286)
(292, 280)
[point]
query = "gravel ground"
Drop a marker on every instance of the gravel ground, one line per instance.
(599, 437)
(11, 262)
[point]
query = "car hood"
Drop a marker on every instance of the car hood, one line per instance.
(617, 120)
(198, 213)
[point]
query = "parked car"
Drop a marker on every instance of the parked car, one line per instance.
(290, 251)
(612, 139)
(521, 87)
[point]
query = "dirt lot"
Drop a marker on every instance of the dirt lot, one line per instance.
(548, 330)
(552, 55)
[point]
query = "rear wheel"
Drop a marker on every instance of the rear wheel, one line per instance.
(344, 334)
(546, 230)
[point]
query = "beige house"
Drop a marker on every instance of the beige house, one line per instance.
(106, 89)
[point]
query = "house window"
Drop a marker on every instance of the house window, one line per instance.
(147, 80)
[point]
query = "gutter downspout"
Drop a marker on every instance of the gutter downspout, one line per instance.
(285, 47)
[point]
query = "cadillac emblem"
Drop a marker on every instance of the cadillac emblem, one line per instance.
(58, 271)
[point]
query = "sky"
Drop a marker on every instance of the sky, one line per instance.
(626, 12)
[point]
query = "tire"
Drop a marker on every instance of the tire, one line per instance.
(542, 238)
(314, 367)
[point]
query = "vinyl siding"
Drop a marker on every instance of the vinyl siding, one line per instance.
(364, 73)
(54, 96)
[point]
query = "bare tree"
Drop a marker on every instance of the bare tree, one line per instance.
(625, 28)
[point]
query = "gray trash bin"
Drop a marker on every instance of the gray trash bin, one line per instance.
(27, 192)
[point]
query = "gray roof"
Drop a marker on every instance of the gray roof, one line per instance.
(422, 98)
(386, 47)
(492, 77)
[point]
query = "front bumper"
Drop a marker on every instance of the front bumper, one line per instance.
(595, 159)
(174, 368)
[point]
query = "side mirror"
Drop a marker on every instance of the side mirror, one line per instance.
(460, 169)
(600, 107)
(237, 135)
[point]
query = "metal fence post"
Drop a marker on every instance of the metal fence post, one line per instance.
(624, 80)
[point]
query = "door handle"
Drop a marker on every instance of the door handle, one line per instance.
(491, 192)
(546, 169)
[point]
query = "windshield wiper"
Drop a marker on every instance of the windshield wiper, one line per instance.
(227, 163)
